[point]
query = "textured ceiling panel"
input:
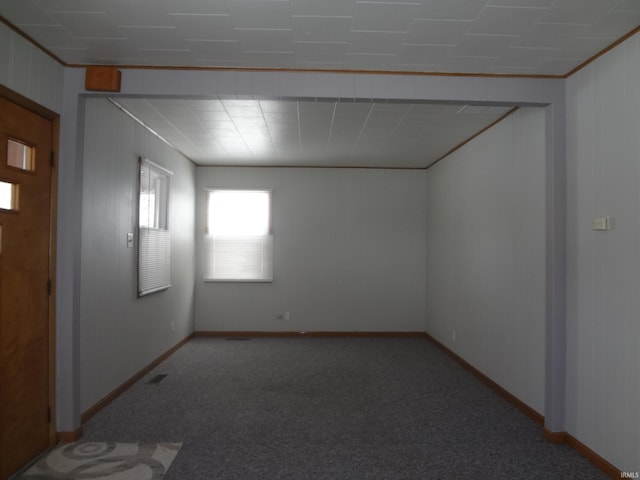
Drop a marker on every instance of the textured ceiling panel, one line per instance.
(311, 132)
(512, 37)
(349, 32)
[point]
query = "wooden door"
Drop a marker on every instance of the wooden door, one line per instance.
(25, 241)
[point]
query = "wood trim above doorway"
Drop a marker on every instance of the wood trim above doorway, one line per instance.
(30, 105)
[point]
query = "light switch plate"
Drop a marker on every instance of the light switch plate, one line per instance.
(129, 240)
(601, 223)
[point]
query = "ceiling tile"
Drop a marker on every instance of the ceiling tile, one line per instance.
(360, 109)
(312, 110)
(612, 24)
(282, 129)
(437, 32)
(162, 57)
(505, 20)
(214, 119)
(370, 132)
(468, 64)
(449, 10)
(204, 27)
(111, 48)
(291, 137)
(88, 25)
(578, 11)
(523, 57)
(483, 45)
(552, 64)
(390, 108)
(581, 47)
(242, 108)
(386, 121)
(141, 13)
(321, 29)
(548, 35)
(629, 6)
(205, 107)
(424, 54)
(269, 59)
(54, 36)
(319, 51)
(385, 17)
(331, 8)
(264, 40)
(170, 106)
(523, 3)
(304, 65)
(154, 37)
(214, 49)
(260, 13)
(375, 42)
(196, 6)
(223, 130)
(25, 13)
(279, 106)
(369, 61)
(66, 5)
(281, 132)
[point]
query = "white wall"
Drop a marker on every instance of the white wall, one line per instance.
(348, 252)
(603, 156)
(486, 254)
(119, 333)
(27, 70)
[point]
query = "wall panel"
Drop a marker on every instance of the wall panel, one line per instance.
(485, 295)
(25, 69)
(348, 252)
(603, 155)
(119, 333)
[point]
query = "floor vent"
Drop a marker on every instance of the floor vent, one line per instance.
(157, 379)
(237, 338)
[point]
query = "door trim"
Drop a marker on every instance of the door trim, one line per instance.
(44, 112)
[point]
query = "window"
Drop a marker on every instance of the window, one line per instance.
(8, 196)
(238, 240)
(21, 155)
(154, 241)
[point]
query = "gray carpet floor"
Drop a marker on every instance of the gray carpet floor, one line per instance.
(331, 408)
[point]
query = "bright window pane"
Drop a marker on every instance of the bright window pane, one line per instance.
(238, 212)
(239, 244)
(154, 197)
(8, 196)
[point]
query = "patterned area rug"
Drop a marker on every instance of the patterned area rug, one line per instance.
(105, 461)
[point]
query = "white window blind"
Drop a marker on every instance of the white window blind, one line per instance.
(154, 239)
(238, 240)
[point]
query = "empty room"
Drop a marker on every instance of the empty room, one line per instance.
(343, 239)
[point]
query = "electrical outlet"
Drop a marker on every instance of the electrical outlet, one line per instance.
(284, 316)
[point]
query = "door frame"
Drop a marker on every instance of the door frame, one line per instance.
(44, 112)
